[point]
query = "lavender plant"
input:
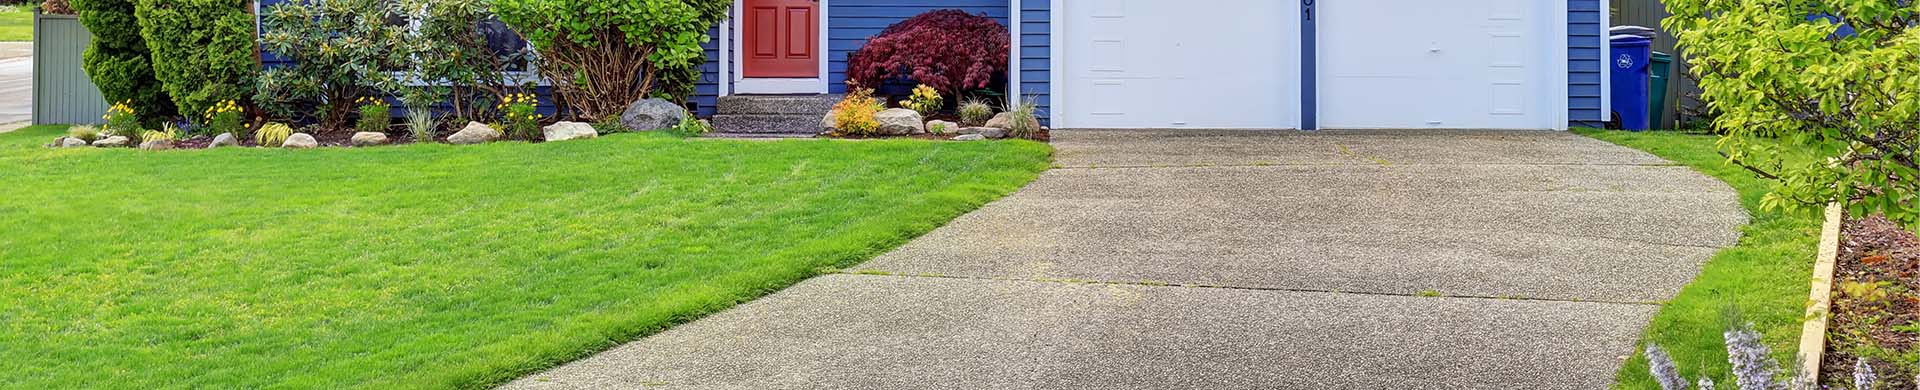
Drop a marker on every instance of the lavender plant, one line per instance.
(1863, 377)
(1753, 366)
(1663, 369)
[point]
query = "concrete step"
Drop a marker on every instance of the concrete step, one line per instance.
(768, 123)
(816, 105)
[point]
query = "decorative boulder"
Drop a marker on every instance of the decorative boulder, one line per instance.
(156, 145)
(369, 138)
(112, 142)
(474, 133)
(300, 141)
(827, 123)
(68, 142)
(224, 139)
(900, 121)
(564, 131)
(993, 133)
(942, 127)
(1004, 120)
(969, 137)
(653, 114)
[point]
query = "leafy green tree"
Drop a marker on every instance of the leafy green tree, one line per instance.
(202, 51)
(118, 60)
(1840, 75)
(602, 55)
(464, 52)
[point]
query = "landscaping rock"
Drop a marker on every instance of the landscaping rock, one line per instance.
(300, 141)
(564, 131)
(474, 133)
(653, 114)
(112, 142)
(1004, 120)
(942, 127)
(970, 137)
(224, 139)
(993, 133)
(827, 123)
(156, 145)
(369, 138)
(900, 121)
(68, 142)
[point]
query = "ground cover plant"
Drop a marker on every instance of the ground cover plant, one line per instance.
(1876, 306)
(432, 265)
(1765, 276)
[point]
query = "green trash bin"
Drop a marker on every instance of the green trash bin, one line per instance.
(1657, 104)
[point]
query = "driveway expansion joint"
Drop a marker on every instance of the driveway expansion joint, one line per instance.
(1424, 294)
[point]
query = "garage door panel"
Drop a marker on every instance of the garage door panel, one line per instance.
(1450, 64)
(1160, 64)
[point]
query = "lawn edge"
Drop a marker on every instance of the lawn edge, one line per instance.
(1813, 335)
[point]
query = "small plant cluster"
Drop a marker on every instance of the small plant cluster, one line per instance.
(225, 117)
(925, 100)
(854, 114)
(948, 50)
(273, 134)
(519, 116)
(375, 114)
(974, 112)
(1025, 117)
(122, 120)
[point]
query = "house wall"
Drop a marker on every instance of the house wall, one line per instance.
(1585, 58)
(1036, 53)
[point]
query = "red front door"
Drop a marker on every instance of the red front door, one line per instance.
(782, 39)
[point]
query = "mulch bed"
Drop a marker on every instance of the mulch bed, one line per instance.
(1875, 250)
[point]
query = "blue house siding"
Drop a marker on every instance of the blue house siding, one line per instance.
(1584, 60)
(851, 22)
(1036, 53)
(706, 92)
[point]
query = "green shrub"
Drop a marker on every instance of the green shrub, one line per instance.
(690, 127)
(602, 55)
(118, 60)
(375, 115)
(975, 113)
(341, 51)
(925, 100)
(202, 50)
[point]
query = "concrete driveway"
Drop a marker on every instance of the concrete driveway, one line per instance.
(16, 84)
(1240, 259)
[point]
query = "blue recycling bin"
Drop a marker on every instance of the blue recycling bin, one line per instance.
(1631, 77)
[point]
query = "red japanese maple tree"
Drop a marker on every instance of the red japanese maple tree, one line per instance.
(949, 50)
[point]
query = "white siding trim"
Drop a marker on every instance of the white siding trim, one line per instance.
(823, 51)
(1013, 49)
(726, 56)
(1560, 61)
(738, 9)
(1606, 62)
(1056, 85)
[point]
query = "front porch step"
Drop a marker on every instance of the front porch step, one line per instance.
(768, 123)
(816, 105)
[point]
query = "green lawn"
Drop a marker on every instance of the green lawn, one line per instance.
(432, 266)
(16, 24)
(1766, 276)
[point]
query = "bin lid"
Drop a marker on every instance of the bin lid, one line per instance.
(1644, 32)
(1629, 39)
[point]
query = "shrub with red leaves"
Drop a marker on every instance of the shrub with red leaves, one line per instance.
(948, 50)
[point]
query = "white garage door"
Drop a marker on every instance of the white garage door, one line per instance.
(1437, 64)
(1180, 64)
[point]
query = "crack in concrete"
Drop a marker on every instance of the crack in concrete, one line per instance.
(1422, 294)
